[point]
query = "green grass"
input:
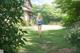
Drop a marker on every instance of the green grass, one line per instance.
(49, 41)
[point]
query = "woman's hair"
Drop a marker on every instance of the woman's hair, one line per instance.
(39, 15)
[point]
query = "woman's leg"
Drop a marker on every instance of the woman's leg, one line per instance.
(39, 28)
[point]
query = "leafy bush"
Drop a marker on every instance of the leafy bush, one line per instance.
(74, 36)
(10, 33)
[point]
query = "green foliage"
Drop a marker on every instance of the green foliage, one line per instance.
(74, 39)
(74, 36)
(48, 12)
(71, 8)
(24, 23)
(10, 33)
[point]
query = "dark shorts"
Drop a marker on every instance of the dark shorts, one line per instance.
(39, 24)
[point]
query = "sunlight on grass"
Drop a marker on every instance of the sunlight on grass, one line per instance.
(49, 41)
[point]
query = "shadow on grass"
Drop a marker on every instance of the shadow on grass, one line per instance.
(49, 41)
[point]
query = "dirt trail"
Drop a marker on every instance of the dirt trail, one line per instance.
(47, 27)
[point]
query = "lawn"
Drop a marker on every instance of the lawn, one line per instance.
(49, 41)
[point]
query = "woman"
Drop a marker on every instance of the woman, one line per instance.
(39, 22)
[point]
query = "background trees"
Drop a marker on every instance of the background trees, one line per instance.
(49, 13)
(71, 8)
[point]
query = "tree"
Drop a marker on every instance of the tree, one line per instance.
(10, 33)
(71, 8)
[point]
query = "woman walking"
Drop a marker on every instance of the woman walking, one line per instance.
(39, 22)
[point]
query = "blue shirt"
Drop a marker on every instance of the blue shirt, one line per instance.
(39, 21)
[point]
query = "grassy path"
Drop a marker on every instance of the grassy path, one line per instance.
(50, 42)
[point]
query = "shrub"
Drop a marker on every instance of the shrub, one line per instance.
(74, 36)
(10, 33)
